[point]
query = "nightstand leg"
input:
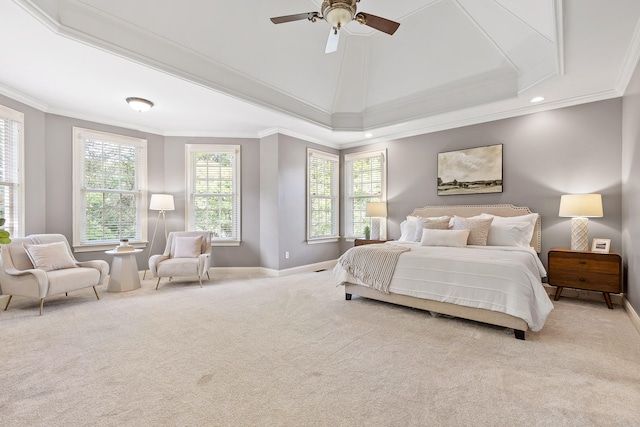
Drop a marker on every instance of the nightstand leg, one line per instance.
(607, 298)
(558, 292)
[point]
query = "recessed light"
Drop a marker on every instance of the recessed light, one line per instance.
(368, 135)
(139, 104)
(537, 99)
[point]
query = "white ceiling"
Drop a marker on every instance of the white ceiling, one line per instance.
(221, 68)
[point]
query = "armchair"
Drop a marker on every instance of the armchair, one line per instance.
(187, 253)
(42, 265)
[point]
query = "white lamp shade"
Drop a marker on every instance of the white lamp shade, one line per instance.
(377, 209)
(581, 205)
(161, 202)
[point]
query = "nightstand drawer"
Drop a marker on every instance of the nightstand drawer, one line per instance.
(602, 282)
(606, 265)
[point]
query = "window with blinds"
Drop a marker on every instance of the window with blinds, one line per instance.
(109, 189)
(365, 182)
(11, 171)
(214, 191)
(322, 196)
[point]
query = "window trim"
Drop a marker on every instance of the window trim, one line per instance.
(348, 189)
(215, 148)
(19, 229)
(335, 196)
(79, 135)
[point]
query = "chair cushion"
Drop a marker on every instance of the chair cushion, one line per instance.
(50, 256)
(187, 246)
(178, 267)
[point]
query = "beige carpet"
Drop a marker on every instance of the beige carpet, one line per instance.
(291, 351)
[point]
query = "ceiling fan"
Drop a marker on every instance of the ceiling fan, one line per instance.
(339, 13)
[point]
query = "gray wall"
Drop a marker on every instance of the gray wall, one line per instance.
(569, 150)
(545, 155)
(631, 188)
(248, 253)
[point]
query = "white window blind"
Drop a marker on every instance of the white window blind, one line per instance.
(365, 182)
(11, 171)
(109, 189)
(214, 191)
(322, 196)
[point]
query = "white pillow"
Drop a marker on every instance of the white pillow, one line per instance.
(478, 228)
(516, 234)
(49, 256)
(187, 246)
(408, 229)
(435, 237)
(520, 233)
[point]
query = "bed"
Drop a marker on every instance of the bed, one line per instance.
(497, 285)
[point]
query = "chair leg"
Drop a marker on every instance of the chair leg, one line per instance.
(208, 277)
(200, 279)
(96, 292)
(41, 304)
(8, 301)
(158, 283)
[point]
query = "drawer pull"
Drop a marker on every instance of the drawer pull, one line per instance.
(582, 279)
(582, 262)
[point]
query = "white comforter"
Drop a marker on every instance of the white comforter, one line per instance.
(498, 278)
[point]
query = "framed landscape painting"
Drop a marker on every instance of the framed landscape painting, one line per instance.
(470, 171)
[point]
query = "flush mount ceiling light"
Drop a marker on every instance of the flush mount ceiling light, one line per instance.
(537, 99)
(139, 104)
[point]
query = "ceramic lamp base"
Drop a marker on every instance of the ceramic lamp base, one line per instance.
(375, 228)
(579, 234)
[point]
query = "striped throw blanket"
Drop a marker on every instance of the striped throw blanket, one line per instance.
(373, 264)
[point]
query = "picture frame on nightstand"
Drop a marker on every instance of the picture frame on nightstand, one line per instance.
(601, 245)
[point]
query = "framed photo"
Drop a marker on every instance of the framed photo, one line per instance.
(600, 245)
(471, 171)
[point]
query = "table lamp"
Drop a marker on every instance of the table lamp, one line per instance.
(376, 210)
(580, 207)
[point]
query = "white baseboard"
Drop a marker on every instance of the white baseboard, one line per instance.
(325, 265)
(635, 319)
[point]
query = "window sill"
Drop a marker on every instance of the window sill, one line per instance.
(105, 246)
(223, 243)
(327, 240)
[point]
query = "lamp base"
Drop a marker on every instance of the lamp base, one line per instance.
(375, 228)
(580, 234)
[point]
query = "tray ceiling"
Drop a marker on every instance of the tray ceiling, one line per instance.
(221, 68)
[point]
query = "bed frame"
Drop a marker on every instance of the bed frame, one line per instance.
(478, 314)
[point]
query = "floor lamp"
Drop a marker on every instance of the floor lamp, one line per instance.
(160, 203)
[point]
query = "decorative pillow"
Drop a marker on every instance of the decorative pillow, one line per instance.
(516, 234)
(526, 232)
(433, 223)
(49, 256)
(478, 229)
(436, 237)
(187, 246)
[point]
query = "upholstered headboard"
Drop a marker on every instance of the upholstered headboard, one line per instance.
(472, 210)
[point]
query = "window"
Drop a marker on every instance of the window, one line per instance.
(109, 189)
(213, 188)
(322, 196)
(11, 170)
(365, 182)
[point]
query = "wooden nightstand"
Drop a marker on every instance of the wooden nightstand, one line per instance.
(360, 242)
(593, 271)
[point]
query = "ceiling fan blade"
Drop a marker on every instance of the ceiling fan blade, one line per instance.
(332, 41)
(380, 24)
(311, 16)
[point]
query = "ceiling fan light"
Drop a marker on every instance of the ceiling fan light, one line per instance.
(338, 17)
(139, 104)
